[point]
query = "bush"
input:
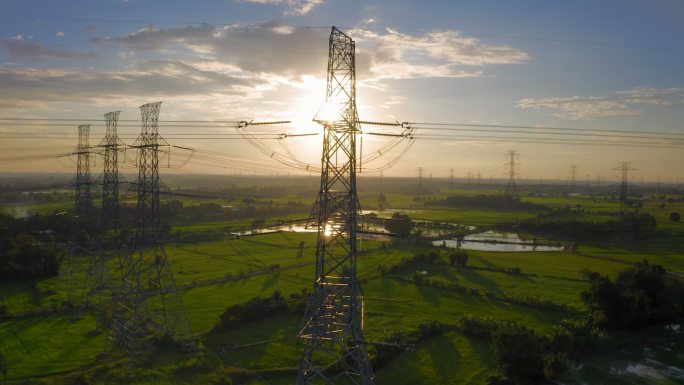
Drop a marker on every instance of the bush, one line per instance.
(429, 329)
(476, 326)
(556, 364)
(675, 217)
(416, 260)
(391, 343)
(519, 353)
(258, 308)
(458, 258)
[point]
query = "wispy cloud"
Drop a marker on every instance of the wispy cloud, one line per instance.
(25, 47)
(621, 103)
(294, 7)
(395, 55)
(149, 79)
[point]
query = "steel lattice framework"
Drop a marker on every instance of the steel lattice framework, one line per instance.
(99, 277)
(511, 186)
(149, 299)
(83, 181)
(80, 239)
(624, 168)
(335, 351)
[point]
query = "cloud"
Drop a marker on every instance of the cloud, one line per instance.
(269, 48)
(60, 34)
(622, 103)
(281, 49)
(395, 55)
(21, 46)
(161, 79)
(295, 7)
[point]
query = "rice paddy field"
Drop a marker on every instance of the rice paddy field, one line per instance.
(45, 343)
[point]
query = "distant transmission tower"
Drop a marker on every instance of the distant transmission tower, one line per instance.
(624, 168)
(149, 299)
(80, 232)
(511, 188)
(574, 174)
(99, 278)
(335, 351)
(420, 170)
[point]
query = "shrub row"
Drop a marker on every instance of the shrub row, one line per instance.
(258, 308)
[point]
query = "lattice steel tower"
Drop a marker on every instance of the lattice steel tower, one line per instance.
(84, 201)
(624, 168)
(511, 187)
(99, 276)
(335, 351)
(149, 299)
(80, 230)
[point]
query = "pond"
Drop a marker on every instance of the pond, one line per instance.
(496, 241)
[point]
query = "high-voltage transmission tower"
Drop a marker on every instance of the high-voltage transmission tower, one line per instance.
(84, 201)
(624, 168)
(149, 300)
(511, 188)
(80, 231)
(420, 170)
(99, 277)
(335, 351)
(574, 174)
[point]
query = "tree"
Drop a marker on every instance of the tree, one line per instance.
(400, 225)
(3, 366)
(642, 295)
(458, 258)
(675, 217)
(519, 353)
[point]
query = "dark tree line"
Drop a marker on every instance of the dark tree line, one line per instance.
(258, 308)
(628, 226)
(28, 249)
(487, 202)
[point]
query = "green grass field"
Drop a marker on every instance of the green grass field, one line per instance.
(59, 347)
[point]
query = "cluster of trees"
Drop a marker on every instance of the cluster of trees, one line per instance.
(458, 258)
(525, 356)
(175, 210)
(258, 308)
(630, 226)
(27, 251)
(487, 202)
(411, 263)
(640, 296)
(400, 225)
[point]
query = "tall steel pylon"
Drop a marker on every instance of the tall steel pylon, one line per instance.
(80, 231)
(149, 300)
(99, 276)
(335, 351)
(84, 201)
(511, 187)
(624, 168)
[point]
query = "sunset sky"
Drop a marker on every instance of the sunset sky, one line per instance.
(604, 65)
